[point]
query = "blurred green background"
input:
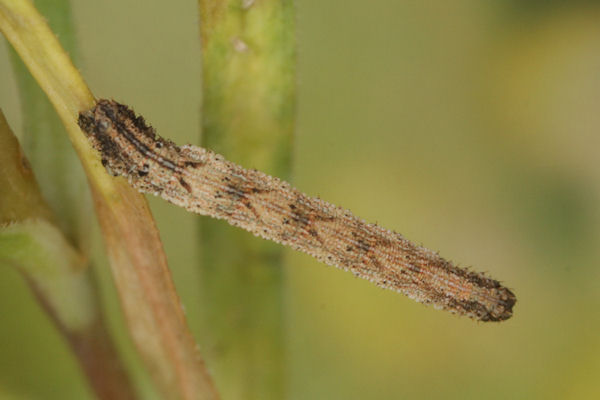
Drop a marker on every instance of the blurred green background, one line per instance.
(469, 126)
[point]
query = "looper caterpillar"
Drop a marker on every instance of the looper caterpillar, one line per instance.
(205, 183)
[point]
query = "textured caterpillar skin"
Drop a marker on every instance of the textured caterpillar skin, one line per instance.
(205, 183)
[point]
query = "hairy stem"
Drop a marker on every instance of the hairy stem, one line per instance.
(248, 116)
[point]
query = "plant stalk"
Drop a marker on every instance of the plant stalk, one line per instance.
(55, 271)
(151, 306)
(248, 115)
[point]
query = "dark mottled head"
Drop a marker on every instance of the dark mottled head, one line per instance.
(98, 127)
(114, 130)
(124, 140)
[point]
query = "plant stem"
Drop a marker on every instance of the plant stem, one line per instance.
(248, 116)
(61, 179)
(56, 271)
(152, 309)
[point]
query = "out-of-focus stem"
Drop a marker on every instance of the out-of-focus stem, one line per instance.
(55, 164)
(248, 116)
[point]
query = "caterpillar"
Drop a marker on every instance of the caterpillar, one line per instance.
(204, 183)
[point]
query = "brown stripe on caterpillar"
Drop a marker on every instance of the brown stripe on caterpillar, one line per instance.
(205, 183)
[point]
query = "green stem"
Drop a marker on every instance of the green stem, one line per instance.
(55, 163)
(248, 116)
